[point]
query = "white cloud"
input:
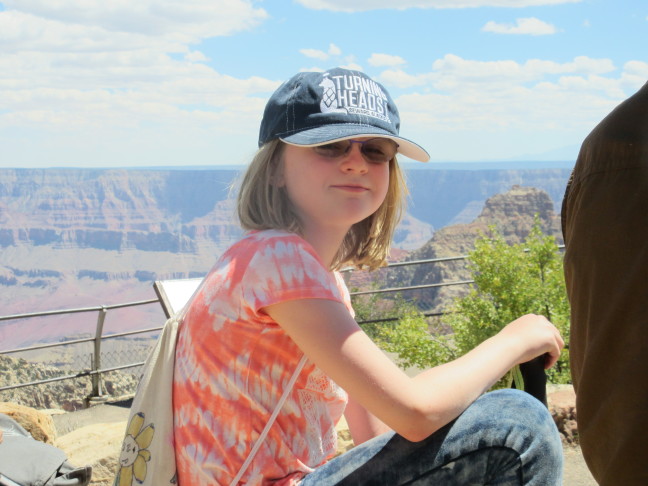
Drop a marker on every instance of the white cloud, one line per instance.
(638, 68)
(635, 74)
(402, 80)
(364, 5)
(525, 26)
(184, 20)
(28, 33)
(78, 65)
(498, 103)
(162, 102)
(352, 65)
(454, 70)
(314, 54)
(195, 56)
(348, 62)
(382, 60)
(107, 81)
(334, 50)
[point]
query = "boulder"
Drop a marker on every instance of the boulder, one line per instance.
(39, 424)
(97, 445)
(562, 406)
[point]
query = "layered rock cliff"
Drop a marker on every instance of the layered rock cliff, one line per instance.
(511, 213)
(66, 395)
(85, 237)
(114, 209)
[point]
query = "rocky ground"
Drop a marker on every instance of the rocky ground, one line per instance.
(93, 437)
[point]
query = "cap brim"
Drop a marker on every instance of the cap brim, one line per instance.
(334, 133)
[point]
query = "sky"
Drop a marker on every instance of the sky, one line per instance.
(136, 83)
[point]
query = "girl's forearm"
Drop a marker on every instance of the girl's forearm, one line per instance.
(445, 391)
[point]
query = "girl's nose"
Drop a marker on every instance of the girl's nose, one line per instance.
(354, 160)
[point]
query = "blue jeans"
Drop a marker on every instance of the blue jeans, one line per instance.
(505, 437)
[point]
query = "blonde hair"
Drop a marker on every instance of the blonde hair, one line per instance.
(262, 204)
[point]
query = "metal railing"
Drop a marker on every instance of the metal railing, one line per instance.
(96, 371)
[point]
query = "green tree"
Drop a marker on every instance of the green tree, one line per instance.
(510, 281)
(378, 312)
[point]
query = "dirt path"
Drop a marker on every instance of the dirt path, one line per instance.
(576, 472)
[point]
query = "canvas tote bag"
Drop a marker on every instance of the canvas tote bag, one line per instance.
(147, 455)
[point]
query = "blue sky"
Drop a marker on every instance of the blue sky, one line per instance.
(123, 83)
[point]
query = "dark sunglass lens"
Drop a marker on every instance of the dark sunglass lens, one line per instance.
(379, 149)
(332, 150)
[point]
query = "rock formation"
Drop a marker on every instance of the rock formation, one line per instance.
(78, 237)
(68, 395)
(563, 410)
(512, 214)
(39, 424)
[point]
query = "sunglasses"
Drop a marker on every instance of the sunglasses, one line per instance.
(374, 150)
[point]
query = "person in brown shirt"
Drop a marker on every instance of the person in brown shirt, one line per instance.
(605, 226)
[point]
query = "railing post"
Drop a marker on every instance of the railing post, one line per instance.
(96, 365)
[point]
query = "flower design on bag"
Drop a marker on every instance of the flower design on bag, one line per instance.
(134, 453)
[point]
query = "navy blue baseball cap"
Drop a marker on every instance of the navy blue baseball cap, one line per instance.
(314, 108)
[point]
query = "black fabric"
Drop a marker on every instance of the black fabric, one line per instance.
(535, 378)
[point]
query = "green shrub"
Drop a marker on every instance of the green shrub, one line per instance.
(510, 281)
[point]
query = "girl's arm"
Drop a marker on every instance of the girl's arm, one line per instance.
(413, 407)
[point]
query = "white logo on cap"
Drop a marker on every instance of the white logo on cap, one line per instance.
(355, 94)
(329, 103)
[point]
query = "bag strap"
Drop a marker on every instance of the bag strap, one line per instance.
(273, 417)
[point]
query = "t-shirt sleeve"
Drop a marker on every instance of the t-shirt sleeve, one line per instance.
(287, 268)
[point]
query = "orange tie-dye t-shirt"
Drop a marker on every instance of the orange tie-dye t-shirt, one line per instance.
(233, 363)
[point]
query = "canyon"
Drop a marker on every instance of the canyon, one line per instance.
(76, 238)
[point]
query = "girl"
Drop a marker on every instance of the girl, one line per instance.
(269, 356)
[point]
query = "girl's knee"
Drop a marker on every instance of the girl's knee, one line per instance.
(529, 430)
(517, 410)
(509, 402)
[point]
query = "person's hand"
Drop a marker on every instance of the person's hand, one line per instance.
(532, 336)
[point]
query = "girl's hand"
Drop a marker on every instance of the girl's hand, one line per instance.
(532, 336)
